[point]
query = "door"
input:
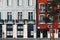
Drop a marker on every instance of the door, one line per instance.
(30, 31)
(45, 34)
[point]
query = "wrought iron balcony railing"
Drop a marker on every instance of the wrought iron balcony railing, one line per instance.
(31, 21)
(19, 21)
(9, 21)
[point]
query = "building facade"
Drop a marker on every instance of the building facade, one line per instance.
(17, 18)
(24, 19)
(42, 26)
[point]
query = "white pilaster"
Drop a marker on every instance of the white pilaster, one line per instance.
(25, 31)
(48, 34)
(4, 31)
(41, 35)
(14, 31)
(34, 31)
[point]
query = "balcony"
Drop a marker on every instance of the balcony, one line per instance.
(9, 21)
(1, 21)
(19, 21)
(31, 21)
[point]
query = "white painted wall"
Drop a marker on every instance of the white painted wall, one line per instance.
(14, 31)
(4, 30)
(25, 31)
(34, 31)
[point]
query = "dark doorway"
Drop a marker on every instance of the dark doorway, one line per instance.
(44, 33)
(30, 28)
(38, 33)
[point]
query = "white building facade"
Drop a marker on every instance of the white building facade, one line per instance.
(18, 18)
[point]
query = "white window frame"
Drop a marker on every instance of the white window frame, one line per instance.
(31, 15)
(19, 2)
(20, 15)
(39, 19)
(9, 13)
(9, 2)
(19, 32)
(43, 8)
(9, 32)
(30, 2)
(20, 27)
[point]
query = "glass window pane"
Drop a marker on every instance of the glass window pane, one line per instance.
(42, 7)
(19, 2)
(19, 15)
(30, 15)
(59, 18)
(9, 2)
(9, 15)
(32, 32)
(41, 18)
(30, 2)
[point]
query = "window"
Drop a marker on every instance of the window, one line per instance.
(20, 33)
(19, 2)
(30, 2)
(9, 27)
(0, 15)
(9, 32)
(19, 15)
(9, 2)
(32, 32)
(20, 27)
(50, 17)
(41, 18)
(42, 8)
(20, 30)
(59, 18)
(9, 15)
(30, 15)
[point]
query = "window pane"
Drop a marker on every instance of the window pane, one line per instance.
(20, 33)
(19, 15)
(41, 18)
(9, 15)
(9, 32)
(19, 2)
(42, 7)
(30, 15)
(30, 2)
(9, 2)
